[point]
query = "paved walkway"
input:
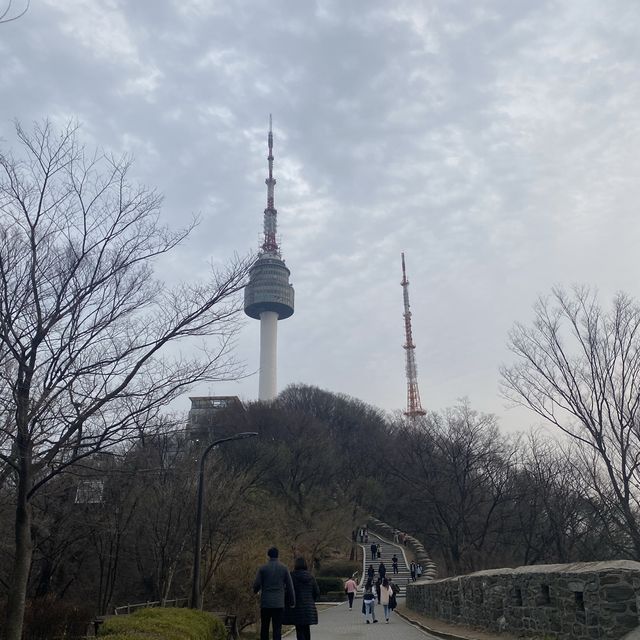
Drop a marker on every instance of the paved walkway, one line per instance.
(339, 622)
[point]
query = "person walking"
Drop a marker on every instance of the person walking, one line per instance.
(385, 597)
(412, 568)
(368, 603)
(382, 570)
(306, 590)
(418, 571)
(394, 564)
(272, 582)
(371, 572)
(378, 549)
(395, 590)
(350, 588)
(377, 587)
(374, 550)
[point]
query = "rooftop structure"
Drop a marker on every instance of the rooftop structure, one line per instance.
(204, 415)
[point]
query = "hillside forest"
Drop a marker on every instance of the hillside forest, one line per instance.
(118, 527)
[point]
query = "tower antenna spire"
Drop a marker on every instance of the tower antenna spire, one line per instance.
(270, 244)
(414, 407)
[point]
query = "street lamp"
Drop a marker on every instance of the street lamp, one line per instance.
(196, 600)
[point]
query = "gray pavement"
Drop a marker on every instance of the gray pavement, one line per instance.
(339, 622)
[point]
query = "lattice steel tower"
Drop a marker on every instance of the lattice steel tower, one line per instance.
(269, 297)
(414, 408)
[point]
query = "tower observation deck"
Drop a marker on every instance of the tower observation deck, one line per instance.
(268, 296)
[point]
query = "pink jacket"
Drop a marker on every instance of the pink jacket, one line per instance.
(350, 586)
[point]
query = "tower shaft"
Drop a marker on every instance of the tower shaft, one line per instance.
(268, 385)
(414, 407)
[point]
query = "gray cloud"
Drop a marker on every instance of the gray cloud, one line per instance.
(494, 142)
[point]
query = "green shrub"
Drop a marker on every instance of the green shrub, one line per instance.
(336, 596)
(164, 624)
(327, 584)
(339, 568)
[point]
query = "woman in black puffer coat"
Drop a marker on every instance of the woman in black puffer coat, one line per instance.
(304, 614)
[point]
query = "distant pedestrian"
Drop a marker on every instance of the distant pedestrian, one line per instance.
(366, 537)
(385, 597)
(374, 550)
(361, 534)
(395, 536)
(273, 581)
(306, 589)
(382, 570)
(418, 571)
(412, 568)
(377, 588)
(394, 564)
(368, 603)
(350, 588)
(371, 572)
(378, 549)
(395, 590)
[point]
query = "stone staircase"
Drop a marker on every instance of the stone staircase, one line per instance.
(387, 549)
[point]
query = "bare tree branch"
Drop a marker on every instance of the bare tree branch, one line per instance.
(5, 15)
(579, 368)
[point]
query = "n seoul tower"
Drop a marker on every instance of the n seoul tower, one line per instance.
(268, 296)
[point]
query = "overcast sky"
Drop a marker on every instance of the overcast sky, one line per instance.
(495, 143)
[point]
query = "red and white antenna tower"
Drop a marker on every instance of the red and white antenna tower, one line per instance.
(414, 408)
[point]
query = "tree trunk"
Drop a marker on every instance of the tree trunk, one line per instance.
(22, 562)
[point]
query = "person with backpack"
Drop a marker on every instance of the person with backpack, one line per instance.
(368, 603)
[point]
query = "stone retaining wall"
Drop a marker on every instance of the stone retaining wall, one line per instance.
(581, 601)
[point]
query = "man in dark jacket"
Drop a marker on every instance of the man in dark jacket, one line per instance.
(273, 581)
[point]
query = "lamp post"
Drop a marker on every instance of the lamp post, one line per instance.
(196, 600)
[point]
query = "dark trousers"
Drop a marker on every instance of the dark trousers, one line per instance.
(350, 596)
(273, 616)
(395, 568)
(303, 632)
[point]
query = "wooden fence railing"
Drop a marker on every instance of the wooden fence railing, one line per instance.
(128, 608)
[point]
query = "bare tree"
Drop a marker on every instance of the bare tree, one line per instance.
(579, 368)
(457, 470)
(85, 327)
